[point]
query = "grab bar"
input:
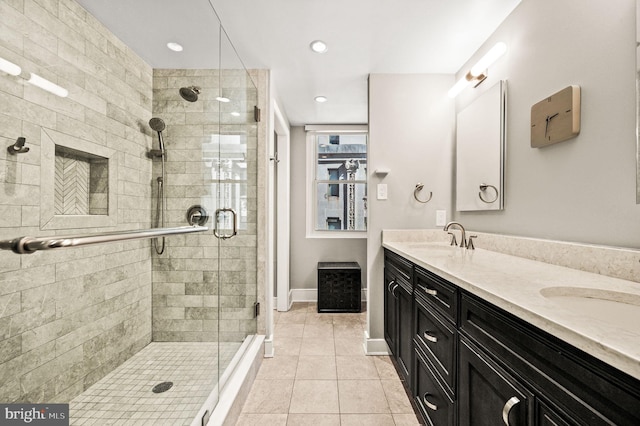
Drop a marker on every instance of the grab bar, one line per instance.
(23, 245)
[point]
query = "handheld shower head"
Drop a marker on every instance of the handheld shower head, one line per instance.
(190, 94)
(158, 125)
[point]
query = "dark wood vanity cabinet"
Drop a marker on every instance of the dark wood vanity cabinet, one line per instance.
(471, 363)
(398, 302)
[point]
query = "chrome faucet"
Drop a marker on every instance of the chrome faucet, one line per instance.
(463, 241)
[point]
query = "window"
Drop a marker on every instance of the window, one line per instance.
(337, 181)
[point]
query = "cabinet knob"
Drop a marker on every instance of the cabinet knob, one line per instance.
(507, 408)
(430, 337)
(429, 405)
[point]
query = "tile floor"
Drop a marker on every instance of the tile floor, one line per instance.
(320, 376)
(124, 396)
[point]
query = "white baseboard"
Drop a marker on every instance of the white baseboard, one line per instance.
(269, 349)
(375, 346)
(311, 294)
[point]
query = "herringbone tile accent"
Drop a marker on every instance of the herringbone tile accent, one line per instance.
(71, 186)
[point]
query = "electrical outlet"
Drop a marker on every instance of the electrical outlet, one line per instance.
(382, 191)
(441, 217)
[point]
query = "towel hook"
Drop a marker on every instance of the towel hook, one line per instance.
(483, 188)
(419, 187)
(18, 147)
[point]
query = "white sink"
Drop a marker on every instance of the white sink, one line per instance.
(613, 307)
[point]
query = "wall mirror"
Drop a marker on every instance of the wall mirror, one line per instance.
(637, 101)
(480, 150)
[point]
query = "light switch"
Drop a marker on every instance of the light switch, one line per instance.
(382, 191)
(441, 217)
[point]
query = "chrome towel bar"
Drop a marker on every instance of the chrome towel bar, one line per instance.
(22, 245)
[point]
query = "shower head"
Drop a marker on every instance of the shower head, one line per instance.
(156, 124)
(190, 93)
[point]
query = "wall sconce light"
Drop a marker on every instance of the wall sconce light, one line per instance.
(478, 72)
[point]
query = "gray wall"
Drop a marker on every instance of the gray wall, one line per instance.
(307, 252)
(68, 318)
(411, 134)
(581, 190)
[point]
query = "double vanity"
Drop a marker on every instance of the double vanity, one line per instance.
(487, 338)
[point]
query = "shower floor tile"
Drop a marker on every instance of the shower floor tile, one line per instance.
(125, 397)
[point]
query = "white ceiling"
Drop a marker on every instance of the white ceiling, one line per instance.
(364, 36)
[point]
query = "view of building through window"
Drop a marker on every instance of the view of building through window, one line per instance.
(341, 181)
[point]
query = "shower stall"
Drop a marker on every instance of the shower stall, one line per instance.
(148, 327)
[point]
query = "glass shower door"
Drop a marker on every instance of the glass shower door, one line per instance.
(235, 218)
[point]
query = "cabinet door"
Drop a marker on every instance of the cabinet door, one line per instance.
(488, 395)
(405, 331)
(390, 313)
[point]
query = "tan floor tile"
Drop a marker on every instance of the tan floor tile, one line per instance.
(349, 320)
(406, 420)
(318, 331)
(397, 397)
(313, 346)
(313, 419)
(298, 307)
(278, 367)
(362, 397)
(269, 397)
(316, 368)
(296, 317)
(287, 345)
(366, 420)
(262, 420)
(312, 307)
(315, 318)
(287, 330)
(342, 331)
(314, 396)
(356, 367)
(385, 367)
(349, 346)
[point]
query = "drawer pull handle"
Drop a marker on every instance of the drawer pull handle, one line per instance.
(390, 284)
(430, 291)
(429, 405)
(507, 409)
(393, 290)
(430, 337)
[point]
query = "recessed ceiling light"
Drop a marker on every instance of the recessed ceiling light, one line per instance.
(318, 46)
(321, 99)
(176, 47)
(222, 99)
(235, 114)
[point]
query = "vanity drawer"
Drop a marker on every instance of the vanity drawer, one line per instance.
(401, 268)
(435, 405)
(438, 292)
(438, 340)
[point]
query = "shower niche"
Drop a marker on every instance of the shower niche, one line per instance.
(78, 181)
(81, 183)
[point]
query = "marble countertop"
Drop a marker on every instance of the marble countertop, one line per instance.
(595, 313)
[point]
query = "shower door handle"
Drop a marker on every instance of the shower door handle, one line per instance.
(235, 224)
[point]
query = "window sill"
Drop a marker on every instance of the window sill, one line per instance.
(337, 234)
